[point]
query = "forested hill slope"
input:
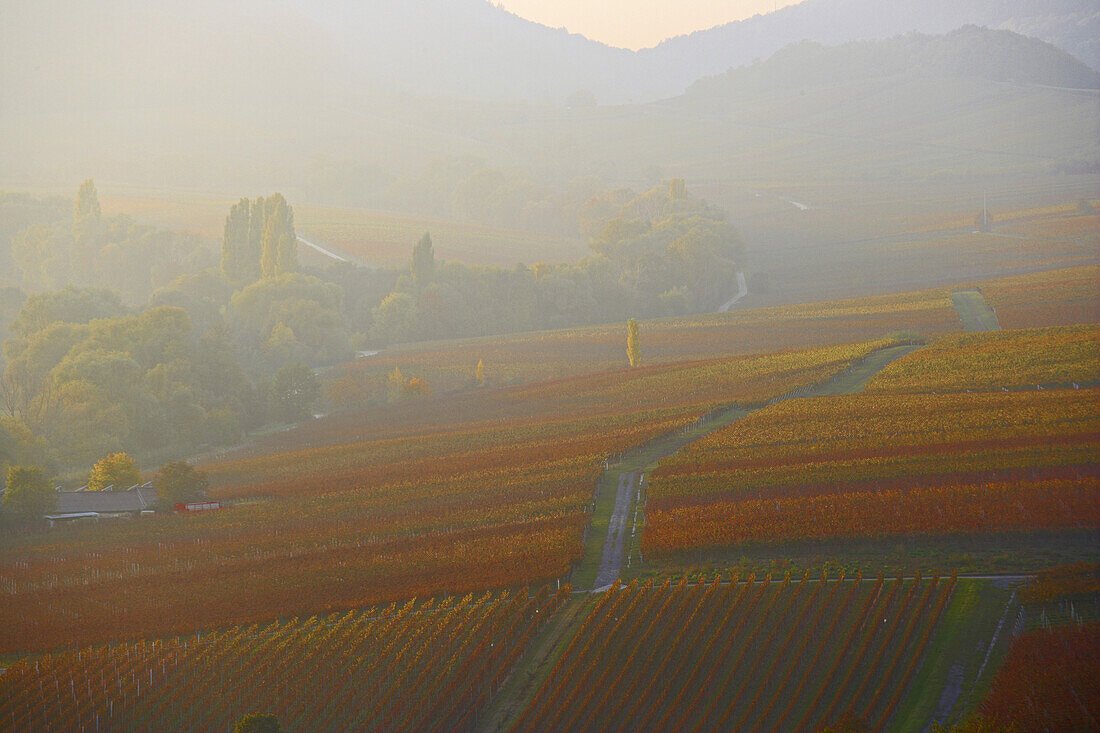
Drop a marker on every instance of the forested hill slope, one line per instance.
(967, 53)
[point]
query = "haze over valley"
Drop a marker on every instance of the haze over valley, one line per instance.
(413, 365)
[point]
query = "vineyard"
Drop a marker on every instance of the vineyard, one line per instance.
(1028, 358)
(758, 654)
(533, 357)
(402, 501)
(413, 666)
(1056, 298)
(872, 465)
(1048, 682)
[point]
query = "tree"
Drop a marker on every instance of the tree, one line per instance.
(633, 349)
(423, 261)
(676, 189)
(88, 230)
(118, 470)
(257, 723)
(68, 305)
(479, 373)
(396, 384)
(395, 319)
(178, 483)
(235, 246)
(417, 387)
(279, 254)
(293, 392)
(28, 496)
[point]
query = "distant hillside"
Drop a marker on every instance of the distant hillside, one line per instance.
(969, 52)
(1072, 25)
(472, 49)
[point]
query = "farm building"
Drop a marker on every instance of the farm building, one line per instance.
(84, 504)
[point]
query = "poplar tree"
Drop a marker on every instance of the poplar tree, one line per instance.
(88, 231)
(423, 261)
(256, 219)
(633, 349)
(235, 246)
(279, 254)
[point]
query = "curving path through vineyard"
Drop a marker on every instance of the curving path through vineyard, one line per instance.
(611, 561)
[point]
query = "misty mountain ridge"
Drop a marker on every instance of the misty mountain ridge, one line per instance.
(1072, 25)
(967, 53)
(475, 50)
(308, 51)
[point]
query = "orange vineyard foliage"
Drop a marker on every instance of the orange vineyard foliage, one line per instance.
(757, 654)
(873, 465)
(1048, 682)
(448, 494)
(417, 666)
(995, 360)
(1056, 298)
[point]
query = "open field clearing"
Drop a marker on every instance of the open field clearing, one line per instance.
(379, 505)
(788, 655)
(429, 665)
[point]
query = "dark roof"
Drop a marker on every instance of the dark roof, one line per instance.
(131, 500)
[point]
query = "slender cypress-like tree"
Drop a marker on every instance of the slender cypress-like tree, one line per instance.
(278, 243)
(423, 261)
(256, 219)
(235, 250)
(633, 348)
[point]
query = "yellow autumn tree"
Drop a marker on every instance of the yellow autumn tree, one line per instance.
(479, 373)
(633, 348)
(396, 383)
(118, 470)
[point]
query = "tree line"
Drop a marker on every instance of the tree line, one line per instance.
(219, 351)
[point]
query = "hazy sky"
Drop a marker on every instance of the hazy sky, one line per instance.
(638, 23)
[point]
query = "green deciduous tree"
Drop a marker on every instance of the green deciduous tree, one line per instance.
(118, 470)
(178, 482)
(293, 392)
(633, 348)
(28, 496)
(395, 319)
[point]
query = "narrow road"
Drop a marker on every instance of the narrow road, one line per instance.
(974, 312)
(611, 562)
(742, 291)
(322, 250)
